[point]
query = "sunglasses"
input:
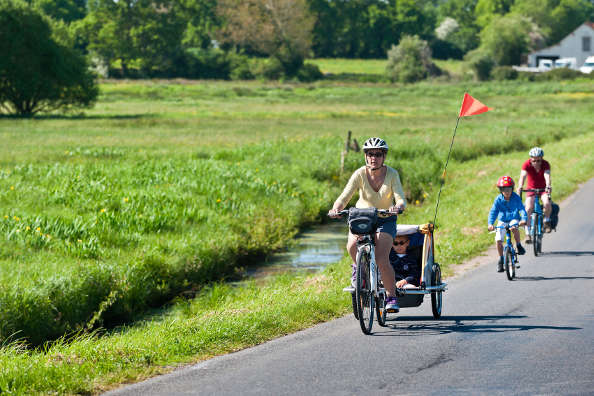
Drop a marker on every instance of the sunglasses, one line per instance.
(396, 243)
(375, 154)
(506, 189)
(535, 159)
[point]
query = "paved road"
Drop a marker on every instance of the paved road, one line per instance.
(534, 335)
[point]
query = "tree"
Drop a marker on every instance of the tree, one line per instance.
(201, 21)
(64, 10)
(145, 34)
(278, 28)
(367, 28)
(568, 15)
(37, 73)
(466, 36)
(507, 38)
(487, 9)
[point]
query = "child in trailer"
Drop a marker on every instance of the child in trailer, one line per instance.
(406, 266)
(509, 210)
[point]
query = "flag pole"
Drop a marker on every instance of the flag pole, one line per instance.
(443, 176)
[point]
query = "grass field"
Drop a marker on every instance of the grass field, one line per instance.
(168, 185)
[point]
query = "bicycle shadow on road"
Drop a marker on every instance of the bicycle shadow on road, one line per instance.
(568, 253)
(541, 278)
(410, 326)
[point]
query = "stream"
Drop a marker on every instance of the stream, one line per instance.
(312, 250)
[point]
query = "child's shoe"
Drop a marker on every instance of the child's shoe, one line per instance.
(500, 264)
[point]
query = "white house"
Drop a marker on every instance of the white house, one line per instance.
(579, 44)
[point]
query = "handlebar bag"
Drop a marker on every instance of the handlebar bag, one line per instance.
(362, 220)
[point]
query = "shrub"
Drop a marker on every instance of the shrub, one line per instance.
(504, 73)
(269, 69)
(562, 73)
(208, 64)
(309, 72)
(240, 67)
(481, 63)
(410, 61)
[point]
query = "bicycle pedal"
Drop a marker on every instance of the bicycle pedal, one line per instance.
(349, 289)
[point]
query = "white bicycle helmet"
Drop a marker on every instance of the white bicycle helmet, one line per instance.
(536, 152)
(375, 143)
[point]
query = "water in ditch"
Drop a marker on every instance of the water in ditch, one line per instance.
(312, 250)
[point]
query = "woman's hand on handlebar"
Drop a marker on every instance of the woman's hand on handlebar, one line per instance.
(334, 213)
(490, 227)
(522, 223)
(396, 209)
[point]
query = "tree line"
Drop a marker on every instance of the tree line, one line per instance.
(242, 39)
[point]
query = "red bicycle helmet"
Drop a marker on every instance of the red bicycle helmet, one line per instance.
(505, 181)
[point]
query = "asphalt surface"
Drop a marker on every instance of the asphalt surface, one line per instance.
(533, 335)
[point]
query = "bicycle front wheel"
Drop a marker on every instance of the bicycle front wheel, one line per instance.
(364, 294)
(510, 268)
(534, 233)
(380, 309)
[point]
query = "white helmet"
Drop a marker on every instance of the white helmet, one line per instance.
(375, 143)
(536, 152)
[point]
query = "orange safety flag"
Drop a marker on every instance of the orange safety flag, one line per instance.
(471, 106)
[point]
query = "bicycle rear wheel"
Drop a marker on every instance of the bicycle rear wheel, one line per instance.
(508, 262)
(534, 234)
(364, 294)
(436, 297)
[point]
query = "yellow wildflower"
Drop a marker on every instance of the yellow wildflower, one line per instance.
(218, 200)
(38, 229)
(27, 228)
(103, 210)
(12, 187)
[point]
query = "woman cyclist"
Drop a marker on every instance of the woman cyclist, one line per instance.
(379, 187)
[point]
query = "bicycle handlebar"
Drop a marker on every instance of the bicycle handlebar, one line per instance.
(507, 226)
(536, 190)
(381, 212)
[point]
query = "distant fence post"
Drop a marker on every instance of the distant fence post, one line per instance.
(348, 146)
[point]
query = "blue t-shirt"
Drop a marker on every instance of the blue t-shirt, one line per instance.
(507, 211)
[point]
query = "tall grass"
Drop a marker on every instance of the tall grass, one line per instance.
(166, 186)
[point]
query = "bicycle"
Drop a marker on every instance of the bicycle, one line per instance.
(510, 256)
(369, 295)
(536, 221)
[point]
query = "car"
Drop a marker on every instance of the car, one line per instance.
(545, 64)
(569, 63)
(588, 65)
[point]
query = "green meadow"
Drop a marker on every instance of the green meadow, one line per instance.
(167, 186)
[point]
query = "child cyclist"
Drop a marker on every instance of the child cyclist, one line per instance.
(509, 210)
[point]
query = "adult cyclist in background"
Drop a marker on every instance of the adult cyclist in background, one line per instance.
(379, 187)
(537, 174)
